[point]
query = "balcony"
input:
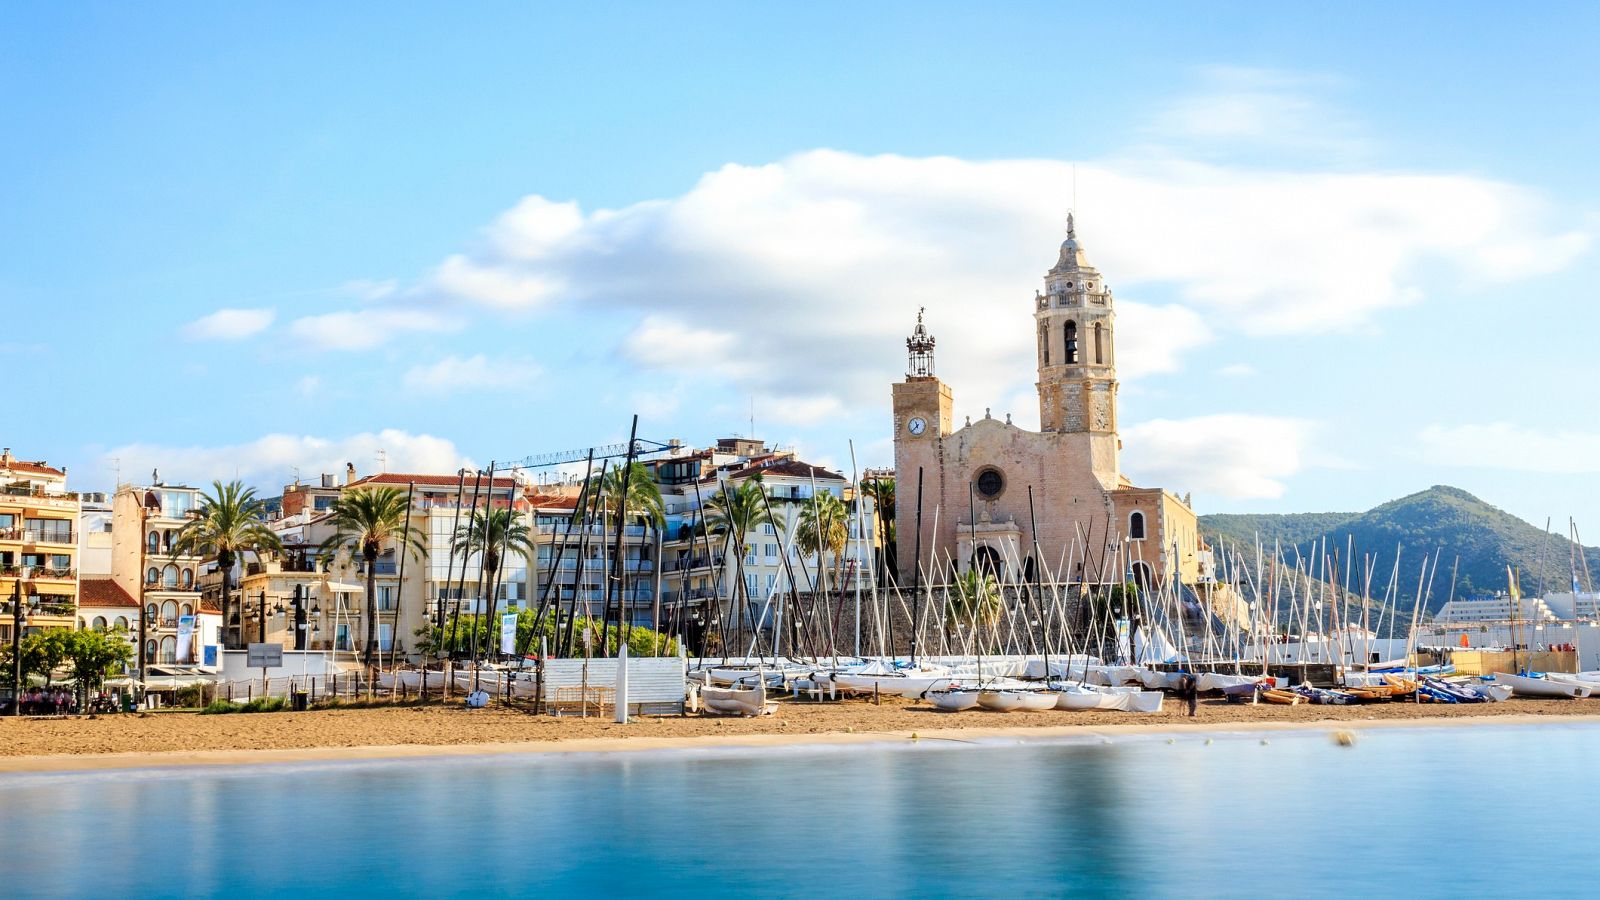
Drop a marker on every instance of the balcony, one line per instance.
(50, 536)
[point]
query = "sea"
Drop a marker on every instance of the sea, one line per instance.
(1478, 811)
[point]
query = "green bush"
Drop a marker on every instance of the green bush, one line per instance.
(218, 707)
(265, 704)
(190, 696)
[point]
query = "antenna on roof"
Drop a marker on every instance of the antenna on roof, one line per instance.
(752, 417)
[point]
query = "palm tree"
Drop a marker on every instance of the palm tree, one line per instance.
(732, 514)
(881, 490)
(644, 496)
(365, 523)
(824, 528)
(493, 533)
(229, 523)
(974, 599)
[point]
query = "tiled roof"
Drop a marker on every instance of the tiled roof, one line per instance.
(103, 592)
(32, 468)
(792, 467)
(401, 479)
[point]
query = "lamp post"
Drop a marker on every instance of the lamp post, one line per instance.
(16, 638)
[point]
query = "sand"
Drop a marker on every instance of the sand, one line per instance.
(183, 738)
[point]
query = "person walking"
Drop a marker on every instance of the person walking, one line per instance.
(1189, 691)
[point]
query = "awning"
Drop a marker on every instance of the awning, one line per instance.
(342, 587)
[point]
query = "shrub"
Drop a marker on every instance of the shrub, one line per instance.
(218, 707)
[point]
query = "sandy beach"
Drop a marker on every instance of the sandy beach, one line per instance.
(184, 738)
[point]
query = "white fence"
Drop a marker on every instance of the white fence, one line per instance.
(656, 684)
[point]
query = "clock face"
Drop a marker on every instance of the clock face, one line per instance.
(917, 425)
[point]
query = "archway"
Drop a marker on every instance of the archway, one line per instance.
(987, 559)
(1143, 575)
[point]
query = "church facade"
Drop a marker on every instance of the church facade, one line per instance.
(1051, 504)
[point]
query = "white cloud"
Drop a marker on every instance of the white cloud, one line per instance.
(478, 372)
(365, 329)
(1502, 445)
(1236, 110)
(801, 277)
(1237, 457)
(229, 325)
(271, 461)
(1237, 370)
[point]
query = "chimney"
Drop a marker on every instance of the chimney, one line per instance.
(327, 480)
(5, 457)
(349, 473)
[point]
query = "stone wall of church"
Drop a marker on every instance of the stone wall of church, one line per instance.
(1071, 474)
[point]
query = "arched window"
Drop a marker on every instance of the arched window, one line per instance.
(152, 575)
(153, 542)
(1136, 526)
(99, 623)
(1072, 343)
(169, 612)
(149, 651)
(186, 610)
(1044, 343)
(166, 540)
(121, 622)
(150, 612)
(1099, 344)
(1029, 573)
(169, 649)
(169, 577)
(188, 579)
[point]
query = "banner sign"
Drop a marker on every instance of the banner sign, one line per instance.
(508, 633)
(185, 639)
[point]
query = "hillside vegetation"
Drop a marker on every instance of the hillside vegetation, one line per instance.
(1444, 519)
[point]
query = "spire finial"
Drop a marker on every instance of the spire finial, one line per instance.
(1070, 230)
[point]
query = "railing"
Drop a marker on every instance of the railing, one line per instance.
(684, 564)
(54, 573)
(378, 568)
(28, 490)
(48, 537)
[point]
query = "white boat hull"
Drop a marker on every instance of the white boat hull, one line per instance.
(1000, 701)
(1524, 686)
(953, 701)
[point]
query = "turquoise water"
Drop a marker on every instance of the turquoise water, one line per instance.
(1450, 812)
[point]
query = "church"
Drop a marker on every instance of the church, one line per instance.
(986, 485)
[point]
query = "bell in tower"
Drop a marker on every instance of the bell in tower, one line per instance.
(919, 350)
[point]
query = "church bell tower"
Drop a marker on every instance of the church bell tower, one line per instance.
(1076, 347)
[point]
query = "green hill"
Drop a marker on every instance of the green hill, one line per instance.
(1441, 518)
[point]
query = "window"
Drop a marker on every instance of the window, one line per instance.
(772, 584)
(152, 543)
(1136, 526)
(169, 613)
(61, 562)
(386, 598)
(99, 623)
(341, 636)
(1072, 343)
(186, 610)
(169, 578)
(121, 622)
(169, 649)
(1099, 344)
(56, 531)
(150, 612)
(990, 483)
(188, 579)
(772, 553)
(385, 636)
(752, 583)
(769, 528)
(152, 575)
(149, 651)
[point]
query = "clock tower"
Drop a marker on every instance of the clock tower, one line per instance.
(922, 410)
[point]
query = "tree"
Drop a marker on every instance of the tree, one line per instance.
(881, 490)
(974, 599)
(643, 501)
(732, 513)
(229, 523)
(824, 528)
(42, 653)
(365, 523)
(95, 655)
(492, 533)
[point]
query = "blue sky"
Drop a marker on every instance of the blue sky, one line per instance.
(1352, 246)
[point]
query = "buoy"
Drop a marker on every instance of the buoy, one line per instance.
(913, 735)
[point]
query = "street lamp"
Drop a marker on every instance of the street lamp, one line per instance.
(16, 637)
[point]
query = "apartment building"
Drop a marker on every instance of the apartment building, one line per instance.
(145, 521)
(38, 545)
